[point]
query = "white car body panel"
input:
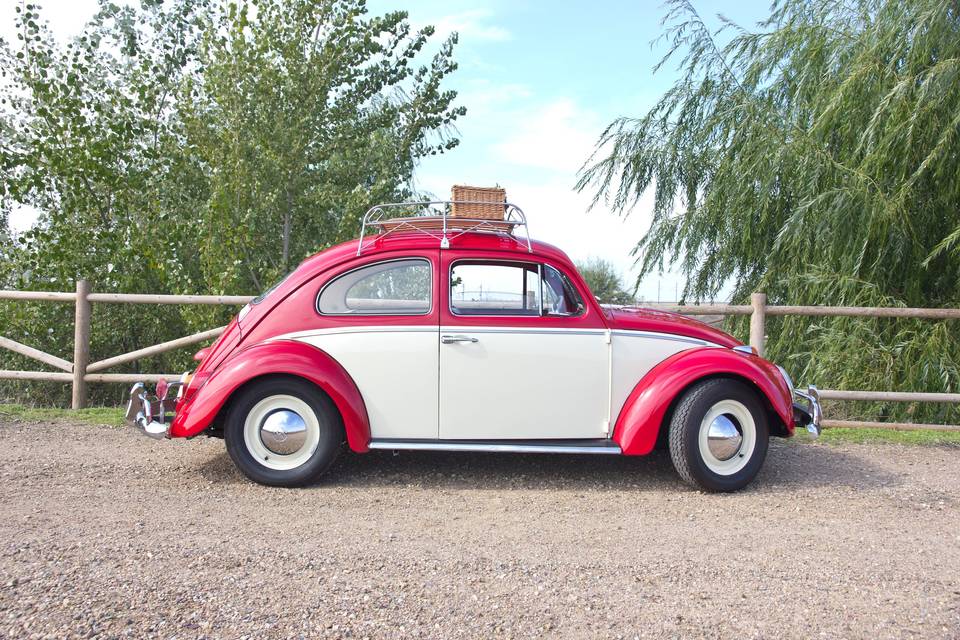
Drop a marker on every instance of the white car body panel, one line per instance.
(518, 383)
(633, 354)
(513, 383)
(396, 370)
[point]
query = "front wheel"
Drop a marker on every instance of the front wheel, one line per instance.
(283, 432)
(719, 435)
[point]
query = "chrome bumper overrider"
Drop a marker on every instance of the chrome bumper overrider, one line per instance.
(807, 412)
(148, 413)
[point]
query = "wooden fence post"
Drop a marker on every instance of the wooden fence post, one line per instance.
(81, 344)
(758, 321)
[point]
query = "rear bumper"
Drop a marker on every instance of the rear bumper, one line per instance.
(806, 410)
(149, 414)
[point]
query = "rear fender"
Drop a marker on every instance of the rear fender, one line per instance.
(287, 357)
(642, 416)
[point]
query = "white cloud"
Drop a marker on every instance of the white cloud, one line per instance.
(534, 149)
(485, 99)
(558, 136)
(471, 25)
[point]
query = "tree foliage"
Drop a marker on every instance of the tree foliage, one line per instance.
(604, 282)
(312, 113)
(814, 158)
(198, 147)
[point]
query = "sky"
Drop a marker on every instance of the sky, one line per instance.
(540, 80)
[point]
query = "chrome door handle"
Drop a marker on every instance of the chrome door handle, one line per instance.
(452, 339)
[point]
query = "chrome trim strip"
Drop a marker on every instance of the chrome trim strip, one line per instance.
(413, 445)
(308, 333)
(526, 330)
(656, 335)
(425, 328)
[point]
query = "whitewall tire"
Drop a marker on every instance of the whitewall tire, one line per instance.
(718, 435)
(283, 431)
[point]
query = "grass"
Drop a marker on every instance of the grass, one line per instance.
(110, 416)
(113, 416)
(839, 435)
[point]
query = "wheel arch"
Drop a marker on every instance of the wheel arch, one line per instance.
(207, 408)
(218, 420)
(649, 407)
(773, 419)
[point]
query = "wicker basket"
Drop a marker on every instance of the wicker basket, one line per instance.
(487, 203)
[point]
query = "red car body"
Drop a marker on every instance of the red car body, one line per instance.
(551, 343)
(246, 352)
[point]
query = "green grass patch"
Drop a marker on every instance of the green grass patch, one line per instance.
(840, 435)
(110, 416)
(113, 417)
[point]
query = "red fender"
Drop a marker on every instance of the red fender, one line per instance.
(642, 415)
(281, 356)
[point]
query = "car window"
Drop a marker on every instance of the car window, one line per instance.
(560, 297)
(395, 287)
(495, 289)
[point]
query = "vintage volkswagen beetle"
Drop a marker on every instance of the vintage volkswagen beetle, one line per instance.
(440, 333)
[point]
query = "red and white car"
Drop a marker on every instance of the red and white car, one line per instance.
(449, 334)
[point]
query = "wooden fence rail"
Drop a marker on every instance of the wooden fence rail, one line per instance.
(81, 370)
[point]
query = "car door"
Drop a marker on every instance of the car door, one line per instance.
(379, 320)
(521, 355)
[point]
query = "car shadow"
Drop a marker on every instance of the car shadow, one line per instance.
(788, 465)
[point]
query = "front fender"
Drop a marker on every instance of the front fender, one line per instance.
(276, 357)
(642, 415)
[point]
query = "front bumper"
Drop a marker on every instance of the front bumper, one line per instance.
(148, 413)
(806, 410)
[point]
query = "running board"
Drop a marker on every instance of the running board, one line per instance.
(502, 446)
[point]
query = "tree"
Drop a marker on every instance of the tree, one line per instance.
(311, 112)
(91, 140)
(604, 282)
(816, 159)
(198, 147)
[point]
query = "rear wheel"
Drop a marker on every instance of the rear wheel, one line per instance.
(719, 435)
(283, 432)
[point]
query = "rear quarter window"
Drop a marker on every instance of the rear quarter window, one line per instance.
(393, 287)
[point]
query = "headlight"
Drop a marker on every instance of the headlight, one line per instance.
(786, 377)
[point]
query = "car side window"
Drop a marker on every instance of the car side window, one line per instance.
(560, 297)
(394, 287)
(486, 288)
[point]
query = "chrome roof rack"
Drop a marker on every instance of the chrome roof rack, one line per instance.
(434, 219)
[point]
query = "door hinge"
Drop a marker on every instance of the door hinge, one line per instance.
(605, 427)
(609, 336)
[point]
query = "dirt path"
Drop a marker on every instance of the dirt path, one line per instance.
(105, 533)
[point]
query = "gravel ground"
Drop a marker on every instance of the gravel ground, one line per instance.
(107, 534)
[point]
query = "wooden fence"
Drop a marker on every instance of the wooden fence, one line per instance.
(81, 370)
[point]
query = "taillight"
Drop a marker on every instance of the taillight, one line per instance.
(194, 382)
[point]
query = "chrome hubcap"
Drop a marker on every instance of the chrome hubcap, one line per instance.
(283, 432)
(723, 437)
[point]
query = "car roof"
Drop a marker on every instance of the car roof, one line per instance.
(405, 241)
(383, 245)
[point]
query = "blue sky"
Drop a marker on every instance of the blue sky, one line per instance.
(540, 80)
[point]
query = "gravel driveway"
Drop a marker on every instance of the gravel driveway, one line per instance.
(105, 533)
